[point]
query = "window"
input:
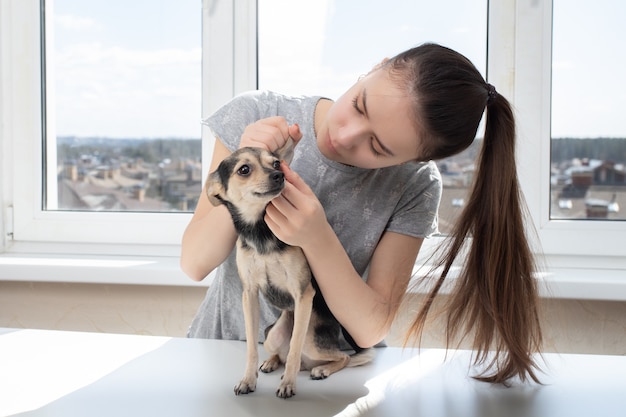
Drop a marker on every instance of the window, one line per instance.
(122, 100)
(104, 112)
(312, 59)
(520, 59)
(540, 97)
(588, 162)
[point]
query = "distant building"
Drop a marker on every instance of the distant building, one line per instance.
(609, 173)
(128, 186)
(597, 208)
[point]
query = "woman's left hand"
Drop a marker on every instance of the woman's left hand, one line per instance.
(296, 216)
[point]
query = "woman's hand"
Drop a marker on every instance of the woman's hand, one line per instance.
(270, 133)
(296, 216)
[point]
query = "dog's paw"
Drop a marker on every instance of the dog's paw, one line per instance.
(320, 372)
(286, 390)
(271, 364)
(245, 387)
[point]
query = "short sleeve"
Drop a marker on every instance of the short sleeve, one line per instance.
(230, 120)
(416, 211)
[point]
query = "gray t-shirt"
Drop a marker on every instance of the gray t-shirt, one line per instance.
(360, 204)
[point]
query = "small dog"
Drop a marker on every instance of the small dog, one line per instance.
(306, 335)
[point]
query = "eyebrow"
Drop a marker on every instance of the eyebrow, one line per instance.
(382, 146)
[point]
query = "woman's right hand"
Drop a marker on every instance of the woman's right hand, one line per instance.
(270, 133)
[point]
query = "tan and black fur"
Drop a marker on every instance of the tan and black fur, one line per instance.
(306, 335)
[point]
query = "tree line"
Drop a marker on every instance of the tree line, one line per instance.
(605, 149)
(155, 150)
(148, 150)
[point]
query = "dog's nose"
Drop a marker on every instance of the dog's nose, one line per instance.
(277, 177)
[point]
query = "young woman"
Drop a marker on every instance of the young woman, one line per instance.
(362, 194)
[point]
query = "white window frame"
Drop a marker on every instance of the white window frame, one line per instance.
(586, 255)
(28, 227)
(573, 243)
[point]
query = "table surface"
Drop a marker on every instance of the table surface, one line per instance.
(54, 373)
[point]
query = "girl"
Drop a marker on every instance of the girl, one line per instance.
(362, 194)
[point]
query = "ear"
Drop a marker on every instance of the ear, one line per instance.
(214, 188)
(285, 153)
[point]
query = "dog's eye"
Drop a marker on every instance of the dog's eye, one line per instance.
(276, 164)
(244, 170)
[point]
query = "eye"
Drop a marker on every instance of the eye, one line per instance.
(276, 164)
(374, 151)
(244, 170)
(355, 104)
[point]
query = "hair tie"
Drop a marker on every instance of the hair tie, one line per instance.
(491, 93)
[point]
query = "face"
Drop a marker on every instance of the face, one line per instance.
(371, 125)
(248, 179)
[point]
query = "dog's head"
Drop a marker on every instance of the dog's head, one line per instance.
(248, 180)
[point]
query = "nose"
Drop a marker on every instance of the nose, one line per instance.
(277, 177)
(351, 135)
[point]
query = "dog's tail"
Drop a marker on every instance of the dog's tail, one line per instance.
(362, 357)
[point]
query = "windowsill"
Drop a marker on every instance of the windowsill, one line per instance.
(585, 284)
(568, 283)
(90, 269)
(572, 283)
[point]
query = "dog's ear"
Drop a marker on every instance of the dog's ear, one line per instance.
(214, 188)
(286, 151)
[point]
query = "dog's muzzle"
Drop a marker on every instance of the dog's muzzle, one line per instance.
(275, 184)
(277, 178)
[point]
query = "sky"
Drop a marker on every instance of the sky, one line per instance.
(126, 68)
(589, 63)
(131, 68)
(331, 43)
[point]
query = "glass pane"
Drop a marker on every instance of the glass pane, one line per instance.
(588, 164)
(322, 47)
(123, 105)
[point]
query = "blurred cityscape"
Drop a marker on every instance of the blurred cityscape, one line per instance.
(588, 177)
(156, 175)
(588, 180)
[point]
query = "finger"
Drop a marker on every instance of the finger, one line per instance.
(295, 133)
(280, 205)
(273, 218)
(288, 199)
(270, 133)
(279, 128)
(293, 178)
(270, 223)
(277, 122)
(264, 136)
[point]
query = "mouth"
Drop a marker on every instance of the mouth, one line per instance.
(271, 193)
(330, 146)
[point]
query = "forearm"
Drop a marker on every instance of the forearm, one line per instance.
(365, 314)
(207, 242)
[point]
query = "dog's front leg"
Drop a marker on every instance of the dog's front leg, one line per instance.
(250, 299)
(302, 315)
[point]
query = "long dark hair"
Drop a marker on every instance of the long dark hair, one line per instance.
(495, 296)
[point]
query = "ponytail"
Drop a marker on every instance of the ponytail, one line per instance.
(494, 299)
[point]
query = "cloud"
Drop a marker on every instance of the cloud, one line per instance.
(76, 23)
(117, 91)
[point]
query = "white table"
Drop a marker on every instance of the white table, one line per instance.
(52, 373)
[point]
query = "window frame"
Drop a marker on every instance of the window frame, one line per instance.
(571, 243)
(519, 65)
(29, 228)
